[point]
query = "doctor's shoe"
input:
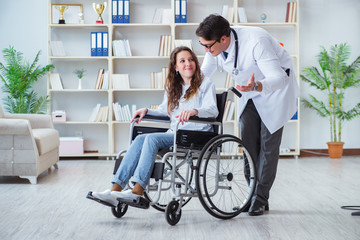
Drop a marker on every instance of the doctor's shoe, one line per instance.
(106, 197)
(126, 195)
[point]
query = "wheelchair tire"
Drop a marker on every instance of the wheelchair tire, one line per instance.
(225, 177)
(120, 210)
(170, 214)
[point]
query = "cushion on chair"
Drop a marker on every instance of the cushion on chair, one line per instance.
(46, 139)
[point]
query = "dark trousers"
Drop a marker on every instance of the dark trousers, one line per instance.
(264, 149)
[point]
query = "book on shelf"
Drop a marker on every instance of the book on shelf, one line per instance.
(158, 78)
(100, 79)
(99, 114)
(242, 15)
(120, 81)
(291, 9)
(105, 83)
(163, 16)
(228, 13)
(57, 49)
(123, 113)
(183, 42)
(94, 113)
(165, 45)
(121, 48)
(55, 81)
(154, 106)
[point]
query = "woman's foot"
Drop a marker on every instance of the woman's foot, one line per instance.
(106, 196)
(126, 195)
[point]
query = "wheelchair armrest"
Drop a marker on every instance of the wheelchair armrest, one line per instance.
(198, 119)
(156, 118)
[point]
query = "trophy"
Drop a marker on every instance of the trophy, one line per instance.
(61, 9)
(99, 9)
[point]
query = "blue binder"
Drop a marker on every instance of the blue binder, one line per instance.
(115, 10)
(121, 11)
(126, 11)
(183, 11)
(93, 44)
(105, 44)
(177, 11)
(99, 51)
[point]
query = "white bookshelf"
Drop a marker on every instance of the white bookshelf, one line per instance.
(106, 139)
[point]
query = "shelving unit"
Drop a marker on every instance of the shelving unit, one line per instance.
(105, 139)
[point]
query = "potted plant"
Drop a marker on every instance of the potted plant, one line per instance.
(18, 77)
(334, 77)
(80, 73)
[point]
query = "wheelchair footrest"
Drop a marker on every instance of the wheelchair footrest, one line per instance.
(140, 203)
(91, 197)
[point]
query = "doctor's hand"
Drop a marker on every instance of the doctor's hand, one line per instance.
(185, 115)
(249, 87)
(139, 113)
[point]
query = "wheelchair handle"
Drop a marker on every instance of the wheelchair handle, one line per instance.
(234, 90)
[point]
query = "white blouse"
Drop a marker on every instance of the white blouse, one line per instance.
(204, 102)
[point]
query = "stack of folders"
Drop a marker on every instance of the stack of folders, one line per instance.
(121, 48)
(229, 110)
(99, 114)
(183, 42)
(99, 43)
(102, 80)
(55, 81)
(123, 113)
(291, 12)
(158, 78)
(165, 45)
(180, 11)
(163, 16)
(120, 81)
(120, 11)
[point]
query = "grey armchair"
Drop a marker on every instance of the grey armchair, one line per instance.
(29, 145)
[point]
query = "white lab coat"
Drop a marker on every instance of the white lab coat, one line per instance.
(260, 53)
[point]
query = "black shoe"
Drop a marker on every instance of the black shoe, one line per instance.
(257, 209)
(247, 208)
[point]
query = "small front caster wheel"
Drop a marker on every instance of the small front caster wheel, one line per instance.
(120, 210)
(172, 217)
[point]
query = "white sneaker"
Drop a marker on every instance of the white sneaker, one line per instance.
(126, 195)
(106, 197)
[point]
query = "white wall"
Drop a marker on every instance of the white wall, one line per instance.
(322, 22)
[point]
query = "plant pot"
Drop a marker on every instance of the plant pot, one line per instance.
(335, 149)
(79, 86)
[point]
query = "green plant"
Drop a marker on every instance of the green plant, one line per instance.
(80, 73)
(334, 77)
(18, 76)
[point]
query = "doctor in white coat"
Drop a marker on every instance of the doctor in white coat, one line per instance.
(264, 75)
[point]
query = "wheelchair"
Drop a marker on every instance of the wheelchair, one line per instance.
(215, 167)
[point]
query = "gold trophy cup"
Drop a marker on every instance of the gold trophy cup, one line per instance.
(99, 9)
(61, 9)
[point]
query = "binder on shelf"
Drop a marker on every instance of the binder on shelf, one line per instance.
(93, 43)
(183, 11)
(99, 51)
(120, 11)
(105, 42)
(177, 11)
(115, 10)
(126, 11)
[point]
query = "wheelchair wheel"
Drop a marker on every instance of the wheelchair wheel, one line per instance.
(225, 177)
(120, 210)
(170, 214)
(166, 190)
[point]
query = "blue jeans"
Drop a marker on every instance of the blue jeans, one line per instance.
(139, 159)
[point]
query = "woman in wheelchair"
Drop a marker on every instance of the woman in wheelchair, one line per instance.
(187, 93)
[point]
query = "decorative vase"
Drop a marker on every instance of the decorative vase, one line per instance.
(79, 86)
(335, 149)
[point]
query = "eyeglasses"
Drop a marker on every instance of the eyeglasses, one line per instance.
(209, 46)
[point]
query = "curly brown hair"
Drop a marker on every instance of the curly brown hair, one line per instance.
(174, 81)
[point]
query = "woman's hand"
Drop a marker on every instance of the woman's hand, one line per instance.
(186, 114)
(141, 113)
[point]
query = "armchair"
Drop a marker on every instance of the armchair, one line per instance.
(29, 145)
